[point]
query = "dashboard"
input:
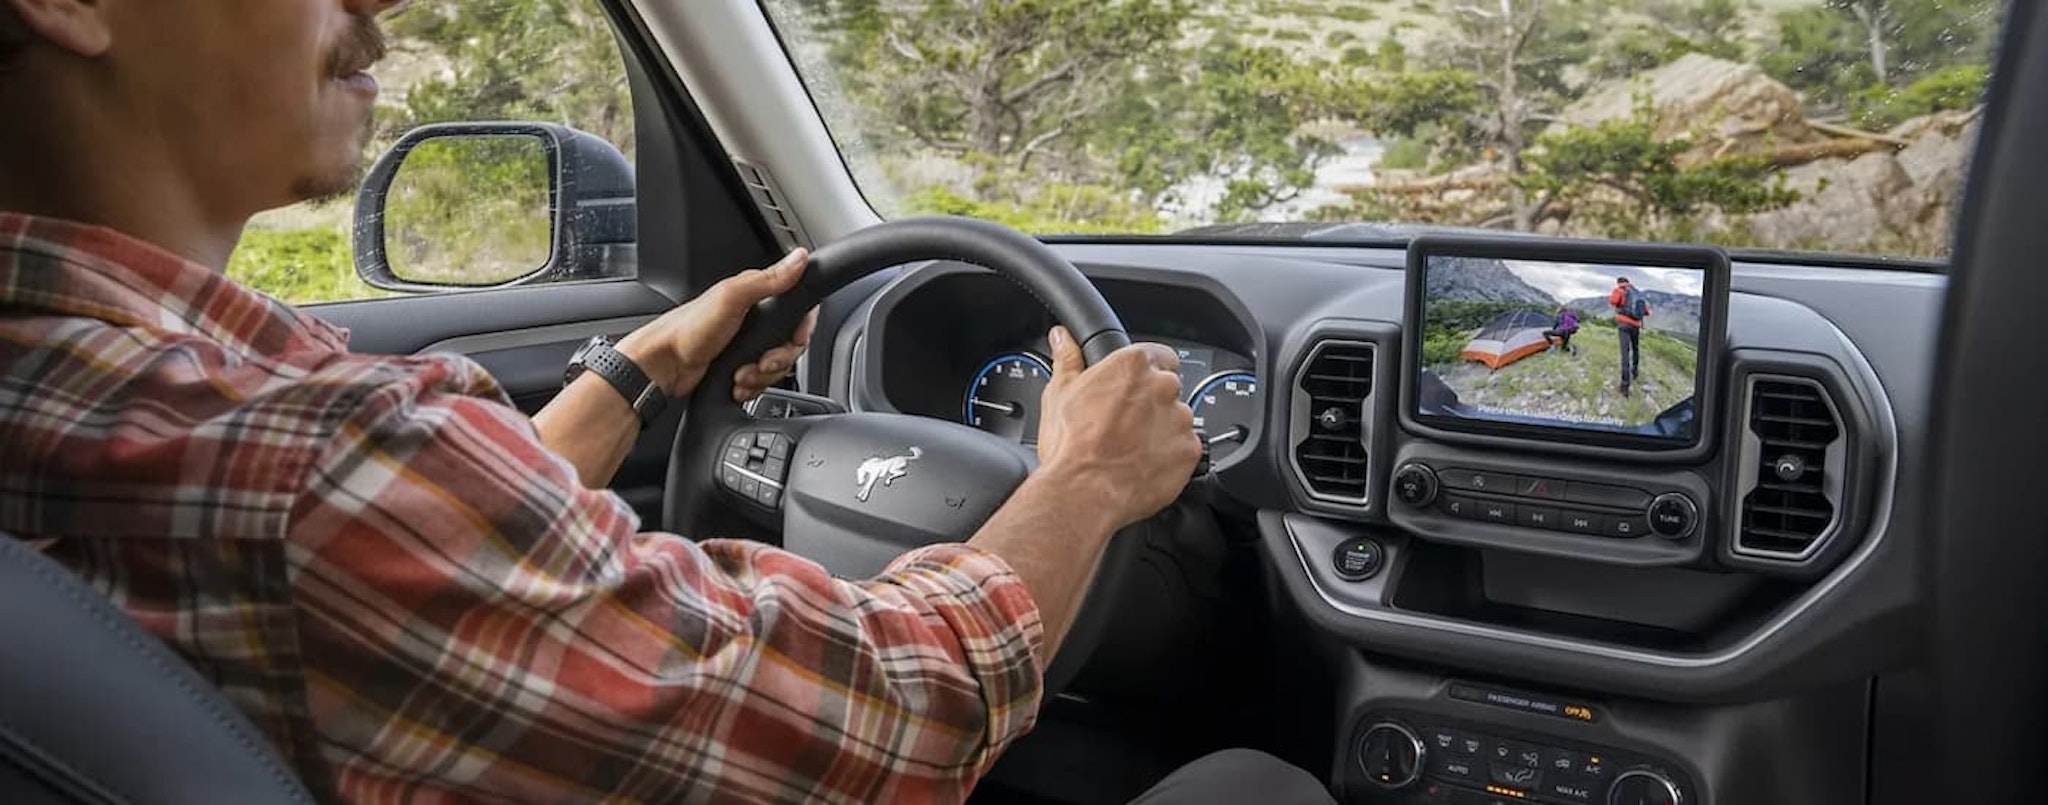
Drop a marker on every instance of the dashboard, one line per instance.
(1674, 575)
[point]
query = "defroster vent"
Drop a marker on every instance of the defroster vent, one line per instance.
(1794, 457)
(1329, 447)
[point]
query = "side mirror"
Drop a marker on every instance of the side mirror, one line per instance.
(492, 205)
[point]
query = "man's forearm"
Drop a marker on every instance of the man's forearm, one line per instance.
(1054, 542)
(590, 425)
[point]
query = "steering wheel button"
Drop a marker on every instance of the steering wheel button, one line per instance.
(779, 448)
(775, 468)
(768, 496)
(731, 478)
(764, 439)
(750, 487)
(757, 454)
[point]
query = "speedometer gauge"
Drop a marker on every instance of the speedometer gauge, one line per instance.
(1003, 397)
(1225, 407)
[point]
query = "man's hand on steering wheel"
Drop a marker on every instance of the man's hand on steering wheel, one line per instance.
(676, 349)
(1118, 428)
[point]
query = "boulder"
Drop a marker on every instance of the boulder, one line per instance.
(1843, 205)
(1727, 107)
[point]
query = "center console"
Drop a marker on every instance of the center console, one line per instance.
(1578, 467)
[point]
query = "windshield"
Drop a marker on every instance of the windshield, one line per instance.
(1809, 125)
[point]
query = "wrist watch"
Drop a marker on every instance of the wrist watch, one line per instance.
(599, 357)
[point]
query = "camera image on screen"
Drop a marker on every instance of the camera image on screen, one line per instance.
(1550, 344)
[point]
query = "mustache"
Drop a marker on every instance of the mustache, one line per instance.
(365, 45)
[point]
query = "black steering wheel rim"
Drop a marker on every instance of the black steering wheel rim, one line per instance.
(691, 493)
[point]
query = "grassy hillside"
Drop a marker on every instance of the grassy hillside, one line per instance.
(1559, 384)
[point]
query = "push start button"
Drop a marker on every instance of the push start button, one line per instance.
(1359, 559)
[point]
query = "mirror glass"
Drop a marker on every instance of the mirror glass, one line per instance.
(470, 211)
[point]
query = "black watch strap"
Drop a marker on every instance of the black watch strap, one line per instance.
(600, 358)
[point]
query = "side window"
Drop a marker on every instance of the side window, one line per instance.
(471, 207)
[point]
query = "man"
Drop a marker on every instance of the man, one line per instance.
(1630, 309)
(415, 592)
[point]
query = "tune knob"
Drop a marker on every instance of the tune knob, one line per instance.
(1391, 755)
(1644, 787)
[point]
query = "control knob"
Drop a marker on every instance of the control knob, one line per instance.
(1415, 485)
(1644, 787)
(1391, 755)
(1673, 516)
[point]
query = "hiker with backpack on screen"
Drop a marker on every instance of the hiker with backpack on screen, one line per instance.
(1631, 307)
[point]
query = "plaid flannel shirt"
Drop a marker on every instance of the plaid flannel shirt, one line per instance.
(378, 561)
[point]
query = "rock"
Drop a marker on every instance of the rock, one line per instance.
(1843, 206)
(1729, 107)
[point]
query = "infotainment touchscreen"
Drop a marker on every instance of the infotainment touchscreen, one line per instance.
(1564, 348)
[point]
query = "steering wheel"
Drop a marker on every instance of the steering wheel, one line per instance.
(854, 491)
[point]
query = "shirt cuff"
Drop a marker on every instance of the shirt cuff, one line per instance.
(1001, 632)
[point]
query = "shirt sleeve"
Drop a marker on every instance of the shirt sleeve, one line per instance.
(476, 624)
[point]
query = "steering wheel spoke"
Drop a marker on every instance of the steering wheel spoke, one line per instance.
(753, 466)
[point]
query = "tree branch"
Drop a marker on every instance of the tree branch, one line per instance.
(1031, 148)
(1032, 87)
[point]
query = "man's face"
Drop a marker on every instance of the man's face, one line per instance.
(265, 101)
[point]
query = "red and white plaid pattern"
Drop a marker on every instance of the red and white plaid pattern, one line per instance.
(379, 562)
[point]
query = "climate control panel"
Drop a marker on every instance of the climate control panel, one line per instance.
(1415, 760)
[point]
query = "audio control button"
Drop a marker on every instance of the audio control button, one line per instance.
(1617, 497)
(1542, 517)
(1627, 527)
(1673, 516)
(1415, 485)
(1582, 522)
(1492, 483)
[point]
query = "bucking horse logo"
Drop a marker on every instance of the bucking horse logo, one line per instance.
(883, 470)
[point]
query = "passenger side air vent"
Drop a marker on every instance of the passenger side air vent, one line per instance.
(1793, 465)
(1330, 428)
(768, 196)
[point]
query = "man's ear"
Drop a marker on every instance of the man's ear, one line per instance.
(79, 26)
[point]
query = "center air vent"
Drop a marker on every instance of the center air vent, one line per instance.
(1793, 466)
(1329, 429)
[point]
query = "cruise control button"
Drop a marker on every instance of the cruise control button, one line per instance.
(740, 440)
(780, 447)
(1628, 527)
(730, 478)
(1618, 497)
(1515, 776)
(1537, 517)
(1541, 488)
(775, 468)
(1579, 522)
(736, 455)
(764, 439)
